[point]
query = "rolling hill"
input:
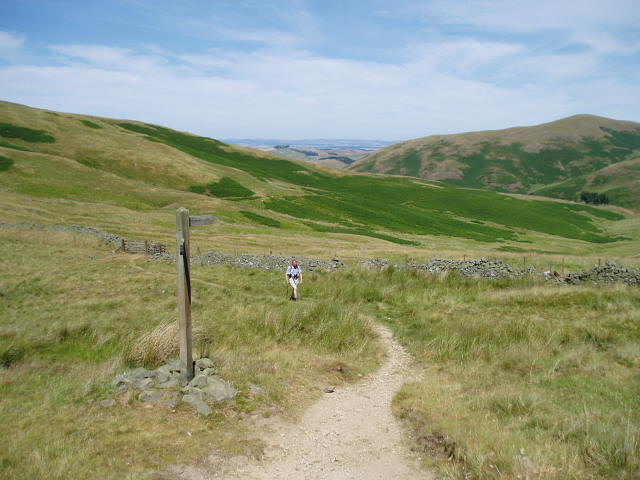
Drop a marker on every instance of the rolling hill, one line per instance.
(560, 159)
(126, 175)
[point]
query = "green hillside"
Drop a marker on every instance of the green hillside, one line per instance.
(559, 159)
(55, 163)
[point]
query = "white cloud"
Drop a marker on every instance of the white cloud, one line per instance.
(10, 44)
(438, 87)
(463, 56)
(514, 16)
(604, 43)
(106, 57)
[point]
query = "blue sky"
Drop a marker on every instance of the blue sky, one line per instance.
(387, 70)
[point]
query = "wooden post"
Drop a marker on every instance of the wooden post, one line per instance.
(183, 221)
(146, 247)
(184, 294)
(124, 247)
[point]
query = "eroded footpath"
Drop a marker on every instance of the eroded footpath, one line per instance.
(348, 434)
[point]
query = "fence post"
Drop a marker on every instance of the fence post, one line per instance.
(184, 294)
(124, 246)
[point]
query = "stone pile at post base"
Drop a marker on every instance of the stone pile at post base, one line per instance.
(164, 385)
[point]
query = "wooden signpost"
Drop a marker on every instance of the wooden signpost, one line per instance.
(183, 222)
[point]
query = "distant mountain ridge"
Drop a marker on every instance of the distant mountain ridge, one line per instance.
(561, 159)
(321, 143)
(326, 152)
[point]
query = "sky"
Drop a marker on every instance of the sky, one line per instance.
(386, 70)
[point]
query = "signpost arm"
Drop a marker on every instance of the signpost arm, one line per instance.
(184, 293)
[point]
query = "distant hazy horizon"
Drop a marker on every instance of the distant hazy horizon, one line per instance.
(326, 143)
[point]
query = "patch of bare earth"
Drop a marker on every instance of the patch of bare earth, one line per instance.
(349, 434)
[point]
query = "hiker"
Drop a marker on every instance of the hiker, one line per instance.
(294, 277)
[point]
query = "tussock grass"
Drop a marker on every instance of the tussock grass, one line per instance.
(161, 344)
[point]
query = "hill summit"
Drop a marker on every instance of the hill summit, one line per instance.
(562, 159)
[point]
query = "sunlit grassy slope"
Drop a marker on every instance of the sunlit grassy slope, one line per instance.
(558, 159)
(61, 167)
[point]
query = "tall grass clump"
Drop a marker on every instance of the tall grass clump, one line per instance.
(161, 344)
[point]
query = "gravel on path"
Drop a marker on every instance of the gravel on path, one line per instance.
(350, 433)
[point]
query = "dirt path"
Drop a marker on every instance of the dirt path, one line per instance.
(348, 434)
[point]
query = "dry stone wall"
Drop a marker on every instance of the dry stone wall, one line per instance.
(609, 272)
(267, 262)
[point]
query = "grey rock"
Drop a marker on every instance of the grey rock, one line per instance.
(162, 377)
(150, 396)
(140, 373)
(107, 402)
(162, 374)
(143, 384)
(173, 366)
(204, 363)
(197, 403)
(171, 383)
(208, 372)
(217, 390)
(123, 387)
(194, 392)
(121, 378)
(198, 381)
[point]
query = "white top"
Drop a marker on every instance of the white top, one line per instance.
(295, 272)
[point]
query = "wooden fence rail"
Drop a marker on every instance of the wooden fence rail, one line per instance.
(137, 246)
